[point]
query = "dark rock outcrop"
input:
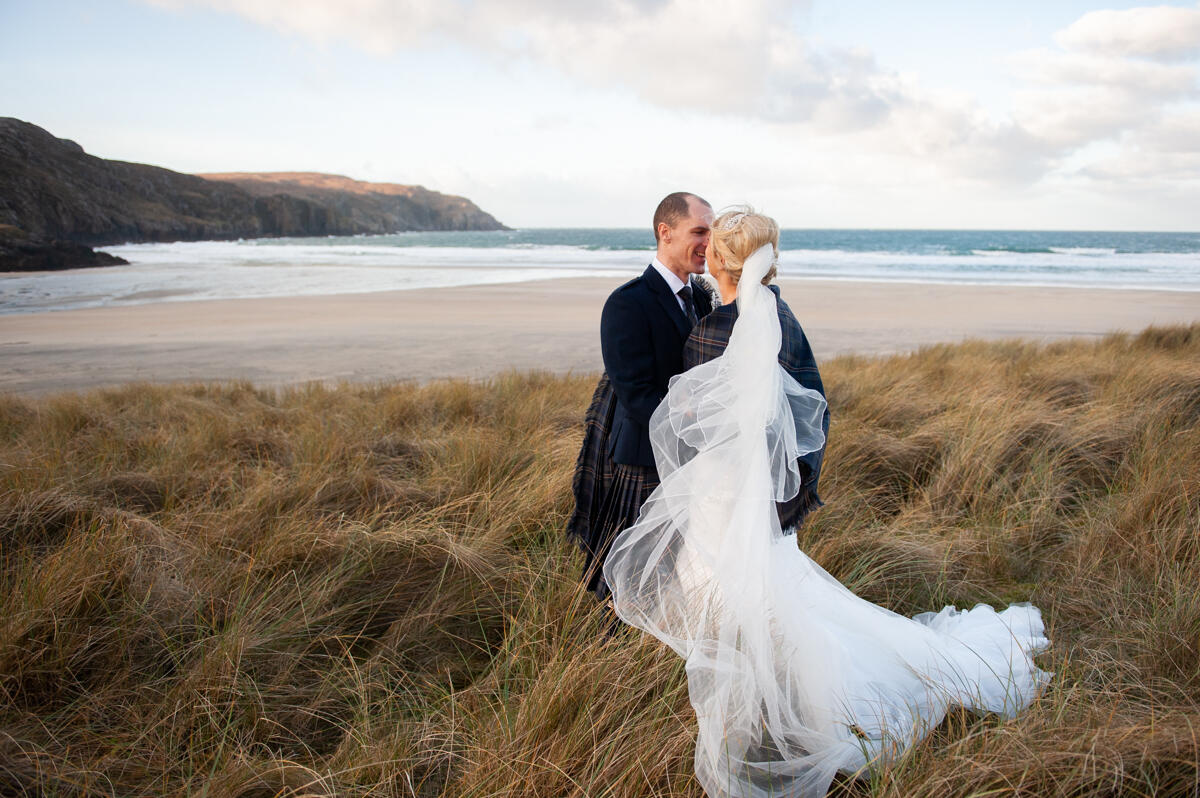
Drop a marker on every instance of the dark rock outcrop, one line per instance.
(53, 191)
(19, 254)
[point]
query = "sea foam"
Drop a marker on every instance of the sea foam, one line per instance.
(188, 271)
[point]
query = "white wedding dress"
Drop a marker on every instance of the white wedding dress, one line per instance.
(792, 676)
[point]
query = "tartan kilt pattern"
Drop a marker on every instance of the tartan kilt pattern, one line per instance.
(608, 496)
(631, 486)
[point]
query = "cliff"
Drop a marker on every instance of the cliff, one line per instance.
(53, 191)
(366, 207)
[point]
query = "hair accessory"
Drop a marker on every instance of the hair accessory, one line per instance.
(733, 221)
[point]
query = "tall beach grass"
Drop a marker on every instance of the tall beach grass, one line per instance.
(219, 590)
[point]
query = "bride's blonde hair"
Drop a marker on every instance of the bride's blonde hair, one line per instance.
(738, 233)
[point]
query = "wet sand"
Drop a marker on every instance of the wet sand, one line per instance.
(477, 331)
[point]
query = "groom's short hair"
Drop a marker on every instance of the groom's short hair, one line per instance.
(673, 208)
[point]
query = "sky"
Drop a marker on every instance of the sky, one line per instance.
(1026, 114)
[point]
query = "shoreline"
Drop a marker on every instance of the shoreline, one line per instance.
(478, 331)
(152, 296)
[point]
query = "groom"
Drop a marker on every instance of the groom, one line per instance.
(643, 328)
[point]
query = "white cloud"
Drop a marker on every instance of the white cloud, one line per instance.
(1109, 85)
(1057, 67)
(378, 26)
(680, 53)
(1114, 84)
(1179, 133)
(1159, 32)
(1163, 152)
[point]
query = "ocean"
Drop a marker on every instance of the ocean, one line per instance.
(184, 271)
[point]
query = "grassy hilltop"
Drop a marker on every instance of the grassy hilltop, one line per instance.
(364, 590)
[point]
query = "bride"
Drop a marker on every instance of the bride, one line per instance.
(792, 676)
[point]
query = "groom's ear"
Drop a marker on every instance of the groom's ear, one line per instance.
(664, 231)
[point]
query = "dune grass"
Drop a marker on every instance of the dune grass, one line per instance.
(217, 590)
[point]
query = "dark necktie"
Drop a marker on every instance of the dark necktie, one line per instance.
(685, 294)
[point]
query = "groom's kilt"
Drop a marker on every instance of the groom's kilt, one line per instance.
(608, 496)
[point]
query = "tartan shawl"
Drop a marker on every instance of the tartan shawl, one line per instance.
(709, 339)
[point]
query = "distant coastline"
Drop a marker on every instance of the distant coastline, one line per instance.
(56, 202)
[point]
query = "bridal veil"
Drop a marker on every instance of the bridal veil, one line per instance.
(792, 676)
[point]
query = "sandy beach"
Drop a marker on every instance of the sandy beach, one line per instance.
(480, 330)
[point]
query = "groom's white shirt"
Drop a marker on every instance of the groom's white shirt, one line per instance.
(673, 282)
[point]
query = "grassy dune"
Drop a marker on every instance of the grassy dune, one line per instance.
(222, 591)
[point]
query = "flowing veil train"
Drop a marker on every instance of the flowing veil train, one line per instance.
(792, 676)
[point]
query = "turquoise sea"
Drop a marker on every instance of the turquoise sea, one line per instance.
(185, 271)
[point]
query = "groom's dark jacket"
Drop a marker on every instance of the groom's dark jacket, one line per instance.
(642, 333)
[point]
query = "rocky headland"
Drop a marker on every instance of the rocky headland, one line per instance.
(20, 253)
(56, 202)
